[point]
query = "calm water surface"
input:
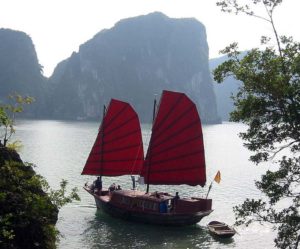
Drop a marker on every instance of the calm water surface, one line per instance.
(60, 148)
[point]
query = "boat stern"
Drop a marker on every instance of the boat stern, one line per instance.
(193, 205)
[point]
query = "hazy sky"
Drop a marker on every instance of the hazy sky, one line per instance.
(58, 27)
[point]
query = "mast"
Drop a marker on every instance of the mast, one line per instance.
(102, 144)
(148, 170)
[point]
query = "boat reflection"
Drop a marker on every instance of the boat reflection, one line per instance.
(107, 232)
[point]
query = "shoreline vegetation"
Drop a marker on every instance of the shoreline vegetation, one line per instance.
(28, 216)
(28, 206)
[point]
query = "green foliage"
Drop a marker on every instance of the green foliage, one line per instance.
(8, 113)
(15, 145)
(269, 103)
(28, 207)
(268, 100)
(27, 215)
(58, 197)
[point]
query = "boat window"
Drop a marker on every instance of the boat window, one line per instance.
(125, 200)
(148, 205)
(140, 203)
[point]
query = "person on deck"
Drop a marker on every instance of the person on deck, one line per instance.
(176, 196)
(174, 201)
(112, 187)
(98, 185)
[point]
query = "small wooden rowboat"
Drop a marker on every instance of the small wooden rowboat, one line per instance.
(221, 229)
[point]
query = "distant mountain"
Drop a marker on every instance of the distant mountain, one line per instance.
(20, 71)
(134, 61)
(224, 91)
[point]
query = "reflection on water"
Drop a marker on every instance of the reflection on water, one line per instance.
(59, 149)
(117, 233)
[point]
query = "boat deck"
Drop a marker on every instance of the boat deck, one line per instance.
(156, 196)
(105, 198)
(131, 193)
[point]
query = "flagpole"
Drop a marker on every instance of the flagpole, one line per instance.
(209, 189)
(217, 179)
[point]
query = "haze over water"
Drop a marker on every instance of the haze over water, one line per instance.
(60, 148)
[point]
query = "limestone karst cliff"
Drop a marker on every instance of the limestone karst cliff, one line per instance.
(134, 61)
(20, 71)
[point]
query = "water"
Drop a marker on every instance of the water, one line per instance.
(60, 148)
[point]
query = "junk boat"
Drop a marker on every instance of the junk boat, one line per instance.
(175, 156)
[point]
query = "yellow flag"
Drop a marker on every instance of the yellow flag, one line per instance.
(218, 177)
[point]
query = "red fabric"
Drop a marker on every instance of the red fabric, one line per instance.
(176, 151)
(118, 149)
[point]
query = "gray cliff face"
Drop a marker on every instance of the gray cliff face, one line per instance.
(134, 61)
(225, 90)
(20, 71)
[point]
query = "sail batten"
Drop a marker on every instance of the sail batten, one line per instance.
(158, 125)
(118, 149)
(167, 171)
(121, 148)
(112, 172)
(175, 158)
(161, 129)
(118, 160)
(116, 115)
(120, 125)
(166, 139)
(117, 138)
(176, 151)
(179, 145)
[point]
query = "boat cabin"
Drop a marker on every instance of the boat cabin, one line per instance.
(158, 202)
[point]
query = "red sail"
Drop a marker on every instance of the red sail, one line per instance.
(176, 151)
(118, 149)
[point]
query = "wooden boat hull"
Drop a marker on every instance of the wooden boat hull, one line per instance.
(166, 219)
(159, 219)
(221, 230)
